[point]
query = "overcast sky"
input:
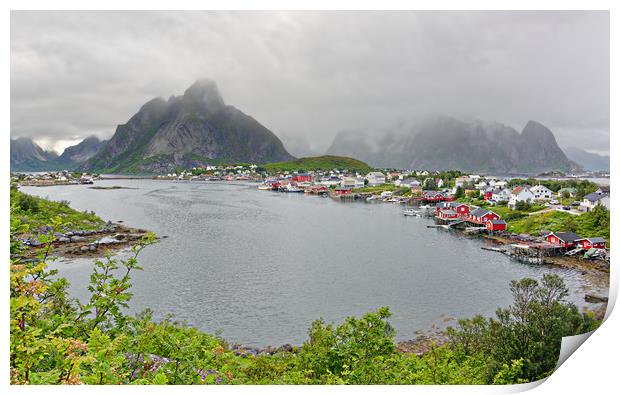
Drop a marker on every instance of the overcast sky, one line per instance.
(308, 75)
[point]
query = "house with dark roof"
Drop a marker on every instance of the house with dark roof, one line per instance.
(604, 189)
(436, 196)
(461, 209)
(594, 199)
(563, 239)
(496, 225)
(591, 242)
(448, 214)
(501, 195)
(481, 216)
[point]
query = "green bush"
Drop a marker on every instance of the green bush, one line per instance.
(55, 339)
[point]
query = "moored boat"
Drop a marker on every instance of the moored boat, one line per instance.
(409, 212)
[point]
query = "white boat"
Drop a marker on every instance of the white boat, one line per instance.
(292, 188)
(265, 187)
(409, 212)
(371, 198)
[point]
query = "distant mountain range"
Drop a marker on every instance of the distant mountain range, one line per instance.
(194, 129)
(588, 160)
(26, 155)
(443, 143)
(199, 128)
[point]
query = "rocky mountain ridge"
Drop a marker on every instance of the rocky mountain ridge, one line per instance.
(194, 129)
(444, 143)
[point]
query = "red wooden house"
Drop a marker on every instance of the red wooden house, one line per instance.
(496, 225)
(461, 209)
(448, 214)
(481, 216)
(591, 242)
(488, 195)
(435, 196)
(563, 239)
(302, 177)
(342, 191)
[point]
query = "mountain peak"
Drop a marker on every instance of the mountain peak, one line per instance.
(91, 139)
(206, 91)
(536, 128)
(190, 130)
(27, 155)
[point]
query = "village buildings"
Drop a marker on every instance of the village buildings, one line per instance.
(375, 178)
(590, 201)
(521, 193)
(541, 192)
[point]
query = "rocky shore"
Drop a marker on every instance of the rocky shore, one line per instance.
(85, 243)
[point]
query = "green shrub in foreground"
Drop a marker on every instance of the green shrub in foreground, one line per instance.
(57, 340)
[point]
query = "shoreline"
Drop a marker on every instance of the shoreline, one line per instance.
(92, 243)
(118, 237)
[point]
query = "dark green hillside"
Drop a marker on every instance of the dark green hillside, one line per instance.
(326, 162)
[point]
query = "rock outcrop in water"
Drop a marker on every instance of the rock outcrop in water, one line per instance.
(194, 129)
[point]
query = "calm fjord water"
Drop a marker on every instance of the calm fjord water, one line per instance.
(260, 266)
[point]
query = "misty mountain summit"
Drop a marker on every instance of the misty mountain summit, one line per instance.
(445, 143)
(194, 129)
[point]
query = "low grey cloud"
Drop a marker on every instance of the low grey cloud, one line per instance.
(308, 75)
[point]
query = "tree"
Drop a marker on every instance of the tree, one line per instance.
(523, 341)
(532, 328)
(429, 183)
(459, 193)
(570, 224)
(356, 349)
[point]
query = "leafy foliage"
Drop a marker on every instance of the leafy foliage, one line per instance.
(37, 212)
(595, 223)
(523, 342)
(58, 340)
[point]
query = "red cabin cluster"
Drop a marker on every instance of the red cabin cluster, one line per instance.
(450, 211)
(461, 209)
(302, 177)
(481, 216)
(571, 239)
(343, 191)
(435, 196)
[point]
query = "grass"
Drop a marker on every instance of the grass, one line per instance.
(529, 221)
(326, 162)
(37, 212)
(377, 188)
(592, 224)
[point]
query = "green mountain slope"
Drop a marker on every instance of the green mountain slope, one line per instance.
(326, 162)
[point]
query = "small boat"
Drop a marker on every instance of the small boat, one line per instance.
(409, 212)
(371, 198)
(292, 188)
(265, 187)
